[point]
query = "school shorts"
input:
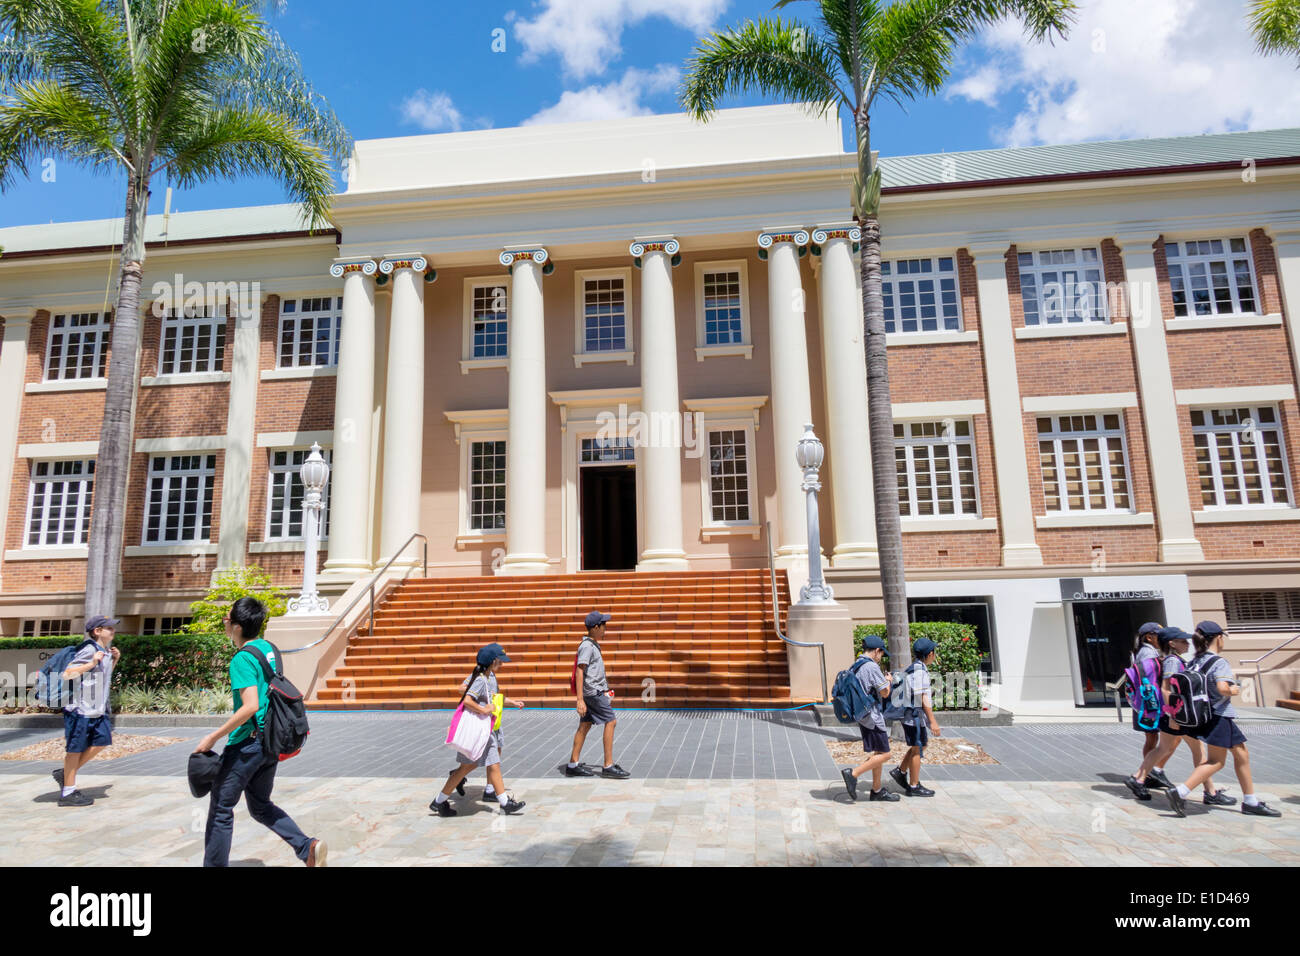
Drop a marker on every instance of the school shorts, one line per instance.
(874, 740)
(82, 733)
(491, 753)
(916, 735)
(1165, 728)
(599, 710)
(1223, 732)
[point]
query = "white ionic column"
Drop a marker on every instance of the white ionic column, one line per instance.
(526, 424)
(661, 458)
(349, 554)
(237, 472)
(1156, 383)
(13, 372)
(845, 377)
(1286, 249)
(403, 409)
(1006, 420)
(791, 393)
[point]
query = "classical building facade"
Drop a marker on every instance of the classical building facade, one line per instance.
(593, 347)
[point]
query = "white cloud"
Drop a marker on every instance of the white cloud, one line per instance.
(586, 34)
(611, 100)
(431, 111)
(1155, 68)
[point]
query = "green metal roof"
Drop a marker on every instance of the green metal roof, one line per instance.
(1081, 158)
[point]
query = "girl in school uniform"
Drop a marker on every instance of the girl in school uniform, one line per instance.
(1173, 642)
(1222, 734)
(478, 698)
(1146, 647)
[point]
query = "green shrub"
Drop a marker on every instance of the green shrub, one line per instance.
(157, 660)
(228, 586)
(955, 674)
(134, 699)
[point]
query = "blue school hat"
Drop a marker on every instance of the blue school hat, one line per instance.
(595, 619)
(1167, 634)
(1209, 629)
(99, 620)
(873, 643)
(1150, 627)
(922, 646)
(490, 653)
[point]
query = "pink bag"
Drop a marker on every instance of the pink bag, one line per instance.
(469, 733)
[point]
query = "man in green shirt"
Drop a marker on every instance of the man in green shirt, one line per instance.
(245, 769)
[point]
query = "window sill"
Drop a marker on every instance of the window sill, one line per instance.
(464, 541)
(310, 371)
(191, 378)
(717, 531)
(1095, 519)
(68, 385)
(893, 339)
(1222, 322)
(1071, 330)
(593, 358)
(169, 550)
(1244, 514)
(720, 351)
(48, 553)
(911, 525)
(280, 547)
(467, 364)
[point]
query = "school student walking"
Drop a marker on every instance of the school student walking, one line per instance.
(1145, 661)
(592, 701)
(918, 718)
(480, 697)
(1173, 643)
(1221, 733)
(875, 739)
(489, 793)
(87, 723)
(246, 769)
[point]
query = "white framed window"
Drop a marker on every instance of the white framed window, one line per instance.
(163, 625)
(1060, 286)
(48, 627)
(936, 469)
(486, 320)
(1240, 457)
(284, 495)
(193, 340)
(1084, 463)
(606, 451)
(722, 309)
(178, 509)
(1212, 277)
(58, 503)
(309, 331)
(921, 295)
(486, 504)
(604, 316)
(728, 460)
(78, 345)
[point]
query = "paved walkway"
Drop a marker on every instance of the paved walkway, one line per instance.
(740, 789)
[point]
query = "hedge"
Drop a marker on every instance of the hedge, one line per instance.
(157, 660)
(956, 672)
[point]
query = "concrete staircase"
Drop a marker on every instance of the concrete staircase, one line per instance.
(704, 638)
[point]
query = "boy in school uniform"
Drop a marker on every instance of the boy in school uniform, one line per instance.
(918, 720)
(88, 723)
(593, 704)
(875, 739)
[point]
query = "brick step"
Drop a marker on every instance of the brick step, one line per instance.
(583, 577)
(442, 617)
(513, 636)
(575, 611)
(427, 664)
(449, 695)
(450, 673)
(776, 702)
(583, 594)
(1293, 703)
(518, 684)
(558, 649)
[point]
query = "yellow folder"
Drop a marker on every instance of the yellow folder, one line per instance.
(498, 705)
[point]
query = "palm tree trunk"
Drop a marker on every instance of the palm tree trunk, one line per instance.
(113, 463)
(880, 419)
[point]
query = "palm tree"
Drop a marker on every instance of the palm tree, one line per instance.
(1276, 26)
(858, 52)
(193, 89)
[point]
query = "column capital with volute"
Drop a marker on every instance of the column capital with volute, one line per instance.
(346, 266)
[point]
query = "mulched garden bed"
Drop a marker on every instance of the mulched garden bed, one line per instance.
(123, 745)
(940, 750)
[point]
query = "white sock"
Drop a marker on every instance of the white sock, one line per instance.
(489, 792)
(1158, 769)
(440, 798)
(502, 799)
(1249, 799)
(572, 764)
(68, 790)
(1183, 791)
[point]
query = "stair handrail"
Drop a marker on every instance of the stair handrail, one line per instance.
(370, 588)
(1259, 680)
(776, 614)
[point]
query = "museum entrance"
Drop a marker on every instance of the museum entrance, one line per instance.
(607, 505)
(1104, 632)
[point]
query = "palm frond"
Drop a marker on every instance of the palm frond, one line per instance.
(1275, 24)
(44, 120)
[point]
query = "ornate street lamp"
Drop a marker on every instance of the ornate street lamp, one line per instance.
(315, 473)
(810, 453)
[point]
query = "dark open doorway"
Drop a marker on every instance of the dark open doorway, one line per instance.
(608, 518)
(1104, 632)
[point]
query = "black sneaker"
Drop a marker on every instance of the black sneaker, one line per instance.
(1139, 791)
(78, 799)
(615, 772)
(883, 794)
(460, 787)
(850, 782)
(444, 809)
(1177, 803)
(513, 806)
(900, 778)
(581, 770)
(58, 777)
(1260, 810)
(1156, 780)
(920, 791)
(489, 796)
(1219, 798)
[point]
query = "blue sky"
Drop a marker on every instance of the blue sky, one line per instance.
(1129, 69)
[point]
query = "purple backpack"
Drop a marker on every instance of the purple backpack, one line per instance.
(1144, 692)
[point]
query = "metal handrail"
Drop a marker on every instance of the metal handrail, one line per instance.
(776, 614)
(1259, 680)
(371, 589)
